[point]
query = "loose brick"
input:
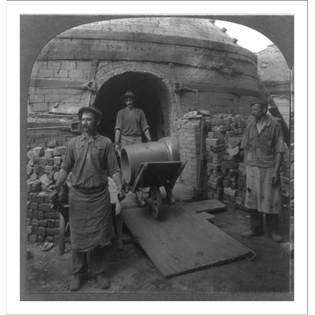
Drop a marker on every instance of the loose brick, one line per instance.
(49, 169)
(44, 197)
(52, 231)
(214, 142)
(42, 162)
(35, 229)
(40, 238)
(30, 154)
(34, 222)
(42, 231)
(30, 213)
(43, 222)
(50, 238)
(29, 170)
(38, 151)
(52, 143)
(50, 223)
(33, 177)
(29, 229)
(33, 238)
(59, 151)
(34, 205)
(49, 153)
(45, 206)
(45, 181)
(57, 160)
(34, 186)
(50, 161)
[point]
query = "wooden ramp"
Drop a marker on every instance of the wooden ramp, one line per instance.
(183, 241)
(210, 206)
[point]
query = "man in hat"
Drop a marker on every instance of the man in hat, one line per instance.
(90, 158)
(131, 123)
(263, 146)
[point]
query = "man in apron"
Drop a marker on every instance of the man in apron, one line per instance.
(263, 149)
(90, 158)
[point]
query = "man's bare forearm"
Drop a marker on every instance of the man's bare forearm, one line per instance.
(62, 178)
(147, 134)
(117, 179)
(278, 160)
(117, 136)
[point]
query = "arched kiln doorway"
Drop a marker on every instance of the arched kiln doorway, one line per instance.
(151, 95)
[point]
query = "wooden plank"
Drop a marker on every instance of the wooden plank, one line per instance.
(210, 205)
(182, 242)
(206, 216)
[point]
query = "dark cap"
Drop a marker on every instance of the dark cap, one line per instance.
(129, 93)
(90, 109)
(261, 102)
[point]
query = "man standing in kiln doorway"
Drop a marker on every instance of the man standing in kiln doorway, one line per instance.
(263, 148)
(131, 123)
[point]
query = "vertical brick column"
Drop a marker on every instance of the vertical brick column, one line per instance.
(189, 145)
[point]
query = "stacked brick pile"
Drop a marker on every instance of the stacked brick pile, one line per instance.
(42, 170)
(226, 171)
(226, 174)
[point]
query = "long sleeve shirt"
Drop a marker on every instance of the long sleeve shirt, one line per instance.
(261, 147)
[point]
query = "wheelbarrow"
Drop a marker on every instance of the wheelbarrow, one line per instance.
(149, 166)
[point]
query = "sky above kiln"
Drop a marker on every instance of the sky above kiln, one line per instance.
(247, 37)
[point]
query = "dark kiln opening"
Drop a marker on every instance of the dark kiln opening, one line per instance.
(151, 95)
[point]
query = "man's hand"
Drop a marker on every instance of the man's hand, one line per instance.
(121, 195)
(117, 146)
(275, 180)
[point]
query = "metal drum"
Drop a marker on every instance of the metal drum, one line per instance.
(164, 150)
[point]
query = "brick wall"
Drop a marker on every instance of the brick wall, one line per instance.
(59, 86)
(45, 153)
(189, 146)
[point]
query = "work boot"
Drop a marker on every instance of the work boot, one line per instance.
(273, 226)
(75, 282)
(102, 281)
(256, 225)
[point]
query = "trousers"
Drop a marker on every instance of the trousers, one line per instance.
(93, 260)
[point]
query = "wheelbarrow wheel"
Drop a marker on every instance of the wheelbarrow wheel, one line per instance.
(156, 202)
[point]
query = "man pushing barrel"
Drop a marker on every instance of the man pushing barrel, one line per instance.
(131, 123)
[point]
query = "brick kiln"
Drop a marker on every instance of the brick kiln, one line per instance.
(173, 64)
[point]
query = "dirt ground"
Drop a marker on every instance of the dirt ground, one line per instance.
(133, 276)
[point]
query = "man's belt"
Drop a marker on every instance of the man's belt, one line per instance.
(90, 190)
(131, 136)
